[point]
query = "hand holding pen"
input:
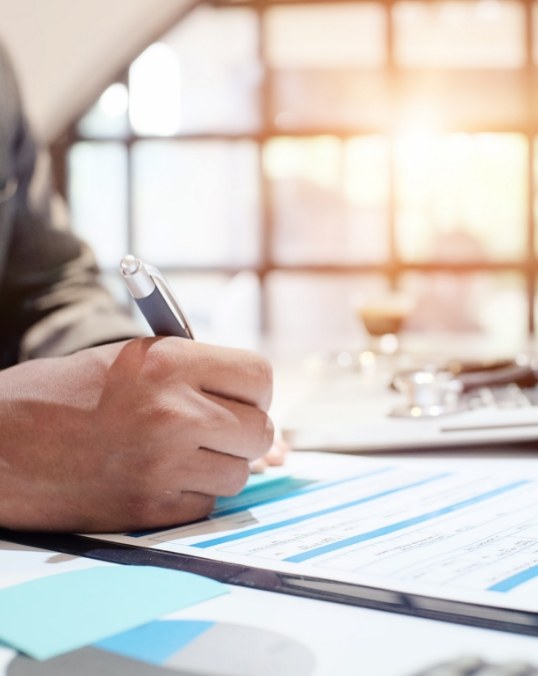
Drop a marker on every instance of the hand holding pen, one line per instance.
(138, 434)
(156, 301)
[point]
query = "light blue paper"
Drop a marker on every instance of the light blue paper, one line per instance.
(59, 613)
(156, 641)
(264, 479)
(260, 488)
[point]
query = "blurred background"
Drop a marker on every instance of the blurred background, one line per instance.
(285, 163)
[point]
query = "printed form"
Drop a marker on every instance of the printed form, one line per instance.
(430, 529)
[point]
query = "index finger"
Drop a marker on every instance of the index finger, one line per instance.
(241, 375)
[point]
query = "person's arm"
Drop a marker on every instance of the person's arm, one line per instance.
(123, 435)
(51, 302)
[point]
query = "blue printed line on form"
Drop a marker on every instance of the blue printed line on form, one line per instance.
(400, 525)
(313, 515)
(317, 486)
(515, 580)
(218, 513)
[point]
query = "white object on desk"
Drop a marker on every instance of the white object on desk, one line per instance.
(348, 412)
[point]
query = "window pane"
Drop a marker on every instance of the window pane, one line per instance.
(456, 98)
(460, 33)
(321, 99)
(155, 96)
(108, 117)
(461, 197)
(327, 318)
(204, 76)
(329, 199)
(115, 285)
(221, 309)
(326, 36)
(492, 306)
(327, 63)
(196, 203)
(98, 198)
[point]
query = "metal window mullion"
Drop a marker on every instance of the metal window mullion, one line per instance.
(266, 216)
(530, 272)
(394, 263)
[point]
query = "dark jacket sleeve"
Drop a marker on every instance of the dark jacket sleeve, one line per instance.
(51, 302)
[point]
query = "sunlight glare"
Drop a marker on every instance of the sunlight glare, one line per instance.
(417, 137)
(114, 101)
(155, 91)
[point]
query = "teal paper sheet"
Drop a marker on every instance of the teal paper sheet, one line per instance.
(59, 613)
(264, 479)
(156, 641)
(260, 488)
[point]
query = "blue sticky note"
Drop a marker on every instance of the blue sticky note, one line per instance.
(260, 488)
(264, 479)
(59, 613)
(156, 641)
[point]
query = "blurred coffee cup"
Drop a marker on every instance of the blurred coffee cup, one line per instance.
(383, 318)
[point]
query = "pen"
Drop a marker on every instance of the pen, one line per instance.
(153, 295)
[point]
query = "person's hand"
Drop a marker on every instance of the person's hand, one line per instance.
(274, 457)
(138, 434)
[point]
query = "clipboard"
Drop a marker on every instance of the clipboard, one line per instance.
(411, 499)
(497, 618)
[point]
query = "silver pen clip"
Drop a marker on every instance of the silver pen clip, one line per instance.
(160, 282)
(142, 281)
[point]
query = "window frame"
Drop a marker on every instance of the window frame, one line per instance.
(394, 268)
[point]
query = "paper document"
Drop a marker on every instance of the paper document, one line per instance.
(59, 613)
(429, 529)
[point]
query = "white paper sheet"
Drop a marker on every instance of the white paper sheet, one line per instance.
(467, 533)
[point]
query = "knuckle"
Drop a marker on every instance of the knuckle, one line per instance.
(158, 357)
(216, 418)
(264, 436)
(264, 372)
(161, 413)
(157, 418)
(268, 433)
(237, 477)
(155, 360)
(166, 407)
(205, 507)
(195, 510)
(259, 370)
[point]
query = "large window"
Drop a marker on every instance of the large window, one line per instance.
(280, 160)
